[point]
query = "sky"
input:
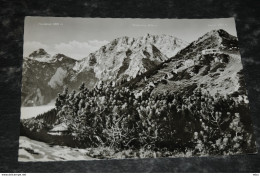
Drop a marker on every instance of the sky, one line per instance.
(77, 37)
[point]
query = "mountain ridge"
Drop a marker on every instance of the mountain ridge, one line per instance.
(123, 59)
(190, 69)
(132, 49)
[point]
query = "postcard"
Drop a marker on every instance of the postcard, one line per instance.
(114, 88)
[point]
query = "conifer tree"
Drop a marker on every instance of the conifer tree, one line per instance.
(82, 86)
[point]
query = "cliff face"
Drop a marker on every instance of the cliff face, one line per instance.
(128, 57)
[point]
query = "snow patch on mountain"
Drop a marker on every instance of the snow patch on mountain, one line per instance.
(57, 78)
(43, 59)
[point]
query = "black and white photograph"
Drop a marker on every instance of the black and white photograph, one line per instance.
(114, 88)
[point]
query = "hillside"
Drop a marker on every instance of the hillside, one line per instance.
(190, 70)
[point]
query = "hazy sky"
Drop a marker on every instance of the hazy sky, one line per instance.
(77, 37)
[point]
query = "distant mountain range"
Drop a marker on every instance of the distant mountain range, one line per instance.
(141, 61)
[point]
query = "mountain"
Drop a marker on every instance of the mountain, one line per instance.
(215, 39)
(126, 57)
(190, 69)
(167, 44)
(44, 76)
(40, 55)
(123, 58)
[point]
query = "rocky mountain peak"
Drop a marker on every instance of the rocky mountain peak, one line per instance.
(217, 35)
(222, 33)
(39, 53)
(215, 39)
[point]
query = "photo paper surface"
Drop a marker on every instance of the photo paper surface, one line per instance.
(104, 88)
